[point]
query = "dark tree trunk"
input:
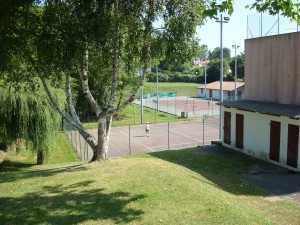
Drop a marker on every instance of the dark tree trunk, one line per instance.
(40, 158)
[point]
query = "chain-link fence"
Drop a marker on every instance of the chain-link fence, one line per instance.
(80, 146)
(130, 140)
(263, 24)
(182, 106)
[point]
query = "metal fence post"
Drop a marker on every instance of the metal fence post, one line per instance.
(79, 141)
(175, 109)
(87, 152)
(203, 129)
(129, 141)
(168, 135)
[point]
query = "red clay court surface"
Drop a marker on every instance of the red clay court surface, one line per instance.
(195, 107)
(181, 135)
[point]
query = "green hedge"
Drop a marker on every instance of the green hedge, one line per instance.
(173, 77)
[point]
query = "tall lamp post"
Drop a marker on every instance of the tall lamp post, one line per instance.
(235, 69)
(205, 76)
(157, 100)
(142, 103)
(221, 20)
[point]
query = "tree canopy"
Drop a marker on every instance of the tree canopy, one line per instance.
(215, 54)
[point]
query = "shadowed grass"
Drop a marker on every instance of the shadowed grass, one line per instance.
(171, 187)
(62, 152)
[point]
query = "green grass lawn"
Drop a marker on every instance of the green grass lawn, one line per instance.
(171, 187)
(132, 113)
(182, 89)
(62, 152)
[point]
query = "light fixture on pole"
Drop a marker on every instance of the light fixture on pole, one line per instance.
(205, 75)
(221, 20)
(235, 69)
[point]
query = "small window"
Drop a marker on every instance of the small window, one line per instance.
(201, 90)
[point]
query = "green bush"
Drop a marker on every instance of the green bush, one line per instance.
(173, 77)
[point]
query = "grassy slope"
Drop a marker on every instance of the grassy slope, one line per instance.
(62, 153)
(172, 187)
(182, 89)
(132, 113)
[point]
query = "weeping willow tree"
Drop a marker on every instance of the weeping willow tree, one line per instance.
(27, 116)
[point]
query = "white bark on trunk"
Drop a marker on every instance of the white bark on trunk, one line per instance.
(87, 136)
(101, 153)
(70, 99)
(147, 56)
(85, 79)
(115, 83)
(108, 129)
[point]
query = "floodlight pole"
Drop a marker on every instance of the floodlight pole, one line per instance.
(142, 103)
(221, 21)
(205, 76)
(298, 16)
(235, 71)
(157, 106)
(142, 106)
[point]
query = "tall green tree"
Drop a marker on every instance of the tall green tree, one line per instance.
(215, 54)
(213, 70)
(240, 65)
(27, 116)
(203, 51)
(27, 113)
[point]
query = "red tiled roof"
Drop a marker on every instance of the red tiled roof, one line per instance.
(227, 85)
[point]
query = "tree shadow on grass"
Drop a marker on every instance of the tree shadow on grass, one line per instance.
(9, 165)
(71, 204)
(221, 172)
(7, 177)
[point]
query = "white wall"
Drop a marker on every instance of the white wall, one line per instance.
(257, 135)
(215, 94)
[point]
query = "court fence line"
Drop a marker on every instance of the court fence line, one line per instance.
(191, 107)
(85, 153)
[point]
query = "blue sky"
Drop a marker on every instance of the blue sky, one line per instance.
(235, 32)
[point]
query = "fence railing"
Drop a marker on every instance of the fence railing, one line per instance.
(183, 106)
(131, 140)
(263, 24)
(80, 146)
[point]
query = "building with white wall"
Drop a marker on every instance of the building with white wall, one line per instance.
(266, 124)
(212, 90)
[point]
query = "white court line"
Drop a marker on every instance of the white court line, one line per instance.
(184, 135)
(186, 143)
(137, 141)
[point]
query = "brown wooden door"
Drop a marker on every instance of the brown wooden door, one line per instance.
(239, 131)
(274, 140)
(227, 127)
(210, 93)
(293, 140)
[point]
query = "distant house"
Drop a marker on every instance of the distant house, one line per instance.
(212, 90)
(266, 123)
(200, 62)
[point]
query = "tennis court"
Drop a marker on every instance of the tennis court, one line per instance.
(131, 140)
(190, 107)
